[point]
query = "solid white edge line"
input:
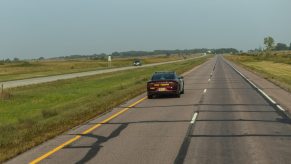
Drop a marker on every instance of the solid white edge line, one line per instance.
(261, 91)
(279, 107)
(268, 97)
(194, 118)
(254, 85)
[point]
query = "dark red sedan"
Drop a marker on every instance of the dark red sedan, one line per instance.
(165, 83)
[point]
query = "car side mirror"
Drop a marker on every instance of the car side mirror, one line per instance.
(181, 77)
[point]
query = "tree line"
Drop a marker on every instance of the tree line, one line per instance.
(177, 51)
(103, 56)
(270, 45)
(151, 53)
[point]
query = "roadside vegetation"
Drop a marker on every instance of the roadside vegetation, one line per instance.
(273, 65)
(16, 69)
(273, 62)
(33, 114)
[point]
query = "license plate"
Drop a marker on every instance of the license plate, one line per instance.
(162, 89)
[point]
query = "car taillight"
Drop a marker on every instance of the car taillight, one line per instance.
(150, 84)
(172, 84)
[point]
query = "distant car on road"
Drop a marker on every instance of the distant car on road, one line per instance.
(137, 62)
(165, 83)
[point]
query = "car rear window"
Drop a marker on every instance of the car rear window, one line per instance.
(164, 76)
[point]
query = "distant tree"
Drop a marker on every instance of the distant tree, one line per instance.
(269, 42)
(115, 54)
(41, 58)
(281, 46)
(16, 60)
(290, 46)
(7, 60)
(103, 57)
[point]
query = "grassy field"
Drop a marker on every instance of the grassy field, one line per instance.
(34, 114)
(276, 68)
(29, 69)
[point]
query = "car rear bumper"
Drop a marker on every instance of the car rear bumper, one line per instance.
(162, 92)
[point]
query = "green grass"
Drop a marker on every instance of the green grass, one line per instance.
(29, 69)
(274, 68)
(34, 114)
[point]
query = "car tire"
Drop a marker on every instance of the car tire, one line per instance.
(183, 91)
(178, 95)
(150, 96)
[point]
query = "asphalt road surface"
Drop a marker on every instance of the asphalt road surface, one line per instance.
(219, 119)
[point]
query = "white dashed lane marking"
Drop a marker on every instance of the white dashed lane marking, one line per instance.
(205, 90)
(194, 118)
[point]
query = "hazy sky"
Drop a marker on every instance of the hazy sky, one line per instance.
(49, 28)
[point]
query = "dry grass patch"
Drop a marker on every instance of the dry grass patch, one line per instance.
(273, 70)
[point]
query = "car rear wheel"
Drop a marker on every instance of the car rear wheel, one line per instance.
(150, 96)
(183, 89)
(178, 95)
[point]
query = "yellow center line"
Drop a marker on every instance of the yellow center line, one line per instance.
(37, 160)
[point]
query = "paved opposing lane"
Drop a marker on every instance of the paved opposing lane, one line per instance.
(38, 80)
(235, 124)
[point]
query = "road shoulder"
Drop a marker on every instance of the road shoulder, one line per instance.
(281, 96)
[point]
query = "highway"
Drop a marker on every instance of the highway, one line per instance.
(38, 80)
(220, 119)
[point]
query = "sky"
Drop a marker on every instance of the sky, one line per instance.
(52, 28)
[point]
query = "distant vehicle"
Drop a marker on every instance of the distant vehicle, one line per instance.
(137, 62)
(165, 83)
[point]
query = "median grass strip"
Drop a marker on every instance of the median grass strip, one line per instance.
(269, 67)
(34, 114)
(29, 69)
